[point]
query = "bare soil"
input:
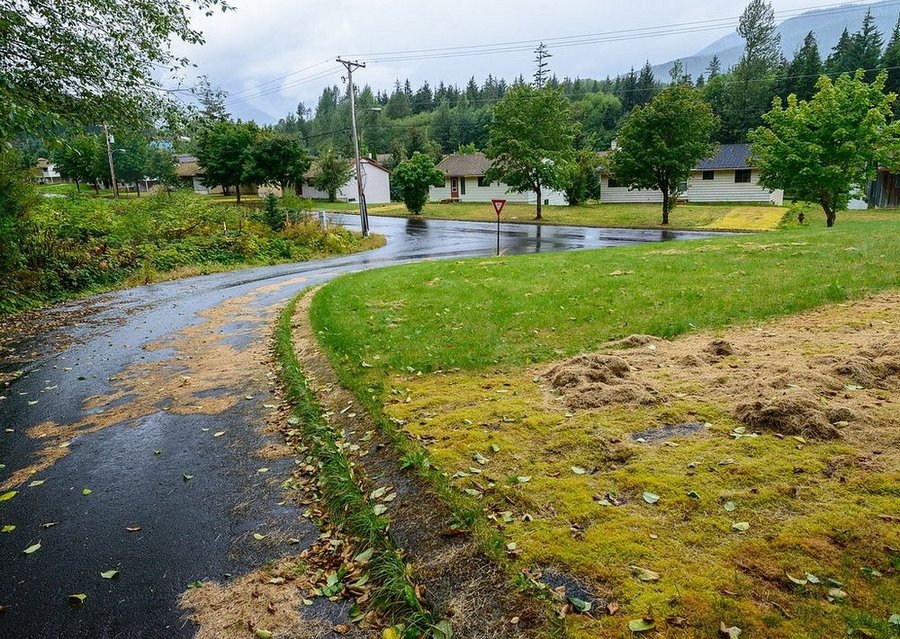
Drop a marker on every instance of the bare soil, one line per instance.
(821, 375)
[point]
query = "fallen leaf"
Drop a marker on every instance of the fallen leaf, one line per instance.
(726, 632)
(262, 634)
(612, 608)
(694, 494)
(442, 630)
(258, 537)
(32, 548)
(741, 526)
(379, 509)
(729, 506)
(378, 493)
(579, 604)
(36, 482)
(110, 574)
(49, 524)
(794, 580)
(276, 580)
(364, 556)
(479, 458)
(523, 479)
(187, 477)
(8, 528)
(641, 625)
(894, 620)
(9, 495)
(195, 584)
(578, 470)
(77, 600)
(219, 434)
(262, 470)
(811, 578)
(643, 574)
(86, 491)
(650, 498)
(157, 452)
(837, 594)
(495, 448)
(390, 633)
(133, 529)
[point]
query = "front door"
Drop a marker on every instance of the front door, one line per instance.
(454, 188)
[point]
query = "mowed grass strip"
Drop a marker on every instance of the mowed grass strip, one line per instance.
(514, 311)
(735, 217)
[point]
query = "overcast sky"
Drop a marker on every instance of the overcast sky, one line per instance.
(247, 51)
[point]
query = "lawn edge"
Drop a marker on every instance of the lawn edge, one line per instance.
(346, 504)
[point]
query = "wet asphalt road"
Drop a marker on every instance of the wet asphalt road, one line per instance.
(143, 375)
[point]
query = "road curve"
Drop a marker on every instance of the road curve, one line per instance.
(142, 445)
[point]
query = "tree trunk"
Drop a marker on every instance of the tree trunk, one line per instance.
(137, 188)
(237, 191)
(666, 208)
(830, 213)
(540, 201)
(77, 185)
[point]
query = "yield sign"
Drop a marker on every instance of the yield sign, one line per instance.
(498, 206)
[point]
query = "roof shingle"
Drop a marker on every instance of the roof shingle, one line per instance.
(464, 165)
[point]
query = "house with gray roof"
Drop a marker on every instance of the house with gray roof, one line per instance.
(726, 177)
(464, 181)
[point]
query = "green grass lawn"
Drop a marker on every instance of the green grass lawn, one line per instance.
(518, 310)
(738, 217)
(450, 352)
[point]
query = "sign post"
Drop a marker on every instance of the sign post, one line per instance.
(498, 206)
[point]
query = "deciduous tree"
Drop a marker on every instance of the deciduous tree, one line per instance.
(81, 158)
(824, 149)
(330, 173)
(660, 143)
(88, 61)
(413, 177)
(276, 159)
(222, 150)
(531, 141)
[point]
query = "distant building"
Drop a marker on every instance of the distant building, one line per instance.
(727, 177)
(46, 173)
(464, 181)
(884, 190)
(376, 184)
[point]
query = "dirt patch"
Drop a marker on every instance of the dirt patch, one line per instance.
(593, 381)
(796, 412)
(274, 598)
(822, 374)
(458, 581)
(669, 431)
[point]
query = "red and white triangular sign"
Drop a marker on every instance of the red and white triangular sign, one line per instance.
(498, 206)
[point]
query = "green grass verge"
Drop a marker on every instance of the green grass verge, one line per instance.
(720, 216)
(515, 311)
(347, 505)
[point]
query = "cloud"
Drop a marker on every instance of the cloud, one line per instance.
(266, 39)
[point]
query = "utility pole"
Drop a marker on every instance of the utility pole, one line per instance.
(109, 156)
(361, 196)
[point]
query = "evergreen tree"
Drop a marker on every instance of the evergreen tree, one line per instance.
(627, 90)
(842, 56)
(423, 99)
(867, 45)
(398, 106)
(891, 62)
(541, 66)
(762, 45)
(714, 68)
(645, 87)
(804, 70)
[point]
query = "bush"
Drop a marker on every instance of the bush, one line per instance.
(79, 243)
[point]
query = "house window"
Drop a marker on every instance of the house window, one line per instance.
(612, 183)
(682, 187)
(462, 186)
(483, 181)
(710, 175)
(742, 176)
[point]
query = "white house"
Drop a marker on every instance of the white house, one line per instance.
(727, 177)
(464, 182)
(376, 184)
(46, 172)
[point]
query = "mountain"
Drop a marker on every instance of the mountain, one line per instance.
(827, 24)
